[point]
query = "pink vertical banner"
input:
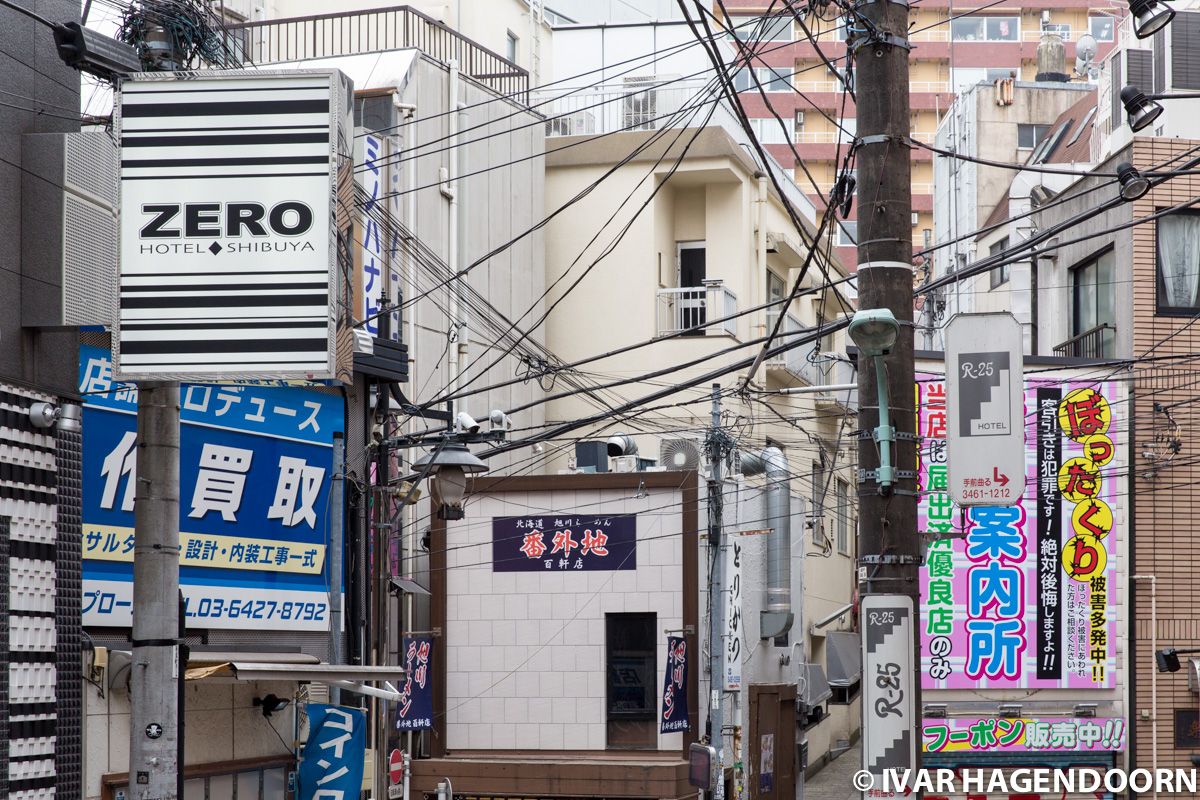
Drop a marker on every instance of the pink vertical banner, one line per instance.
(1024, 596)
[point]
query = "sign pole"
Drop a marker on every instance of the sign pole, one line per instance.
(154, 731)
(717, 603)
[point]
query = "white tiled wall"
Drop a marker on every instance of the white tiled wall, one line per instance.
(525, 650)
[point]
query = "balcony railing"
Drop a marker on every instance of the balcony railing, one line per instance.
(1096, 342)
(686, 307)
(630, 106)
(799, 361)
(372, 31)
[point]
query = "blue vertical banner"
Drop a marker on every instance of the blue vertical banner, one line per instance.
(255, 472)
(414, 710)
(674, 700)
(331, 766)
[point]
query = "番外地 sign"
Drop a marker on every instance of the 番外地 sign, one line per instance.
(1027, 597)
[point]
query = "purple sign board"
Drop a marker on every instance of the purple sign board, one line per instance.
(414, 709)
(674, 701)
(586, 542)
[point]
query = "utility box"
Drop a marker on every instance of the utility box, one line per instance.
(591, 456)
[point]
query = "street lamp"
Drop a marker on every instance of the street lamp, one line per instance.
(448, 465)
(874, 330)
(1149, 16)
(1133, 184)
(1141, 110)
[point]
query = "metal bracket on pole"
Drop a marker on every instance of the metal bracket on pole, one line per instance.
(880, 38)
(889, 560)
(872, 475)
(899, 435)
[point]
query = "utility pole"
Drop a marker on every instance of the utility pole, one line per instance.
(154, 730)
(889, 546)
(716, 540)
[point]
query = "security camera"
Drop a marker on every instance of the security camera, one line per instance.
(466, 423)
(500, 420)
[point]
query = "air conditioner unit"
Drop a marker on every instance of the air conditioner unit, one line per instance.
(624, 463)
(680, 454)
(69, 195)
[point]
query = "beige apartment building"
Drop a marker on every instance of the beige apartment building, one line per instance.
(712, 245)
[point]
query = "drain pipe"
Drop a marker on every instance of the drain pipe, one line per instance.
(776, 617)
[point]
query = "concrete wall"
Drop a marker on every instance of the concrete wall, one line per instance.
(33, 79)
(223, 725)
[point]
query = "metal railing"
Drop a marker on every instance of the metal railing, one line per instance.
(375, 30)
(688, 306)
(838, 372)
(929, 86)
(799, 361)
(1065, 32)
(629, 106)
(1095, 342)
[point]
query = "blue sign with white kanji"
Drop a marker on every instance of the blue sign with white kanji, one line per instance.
(255, 466)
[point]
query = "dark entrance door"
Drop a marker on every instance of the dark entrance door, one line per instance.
(691, 279)
(771, 771)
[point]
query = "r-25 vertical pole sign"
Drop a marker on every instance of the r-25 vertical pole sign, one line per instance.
(889, 675)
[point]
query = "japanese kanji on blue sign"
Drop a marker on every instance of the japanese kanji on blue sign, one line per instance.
(414, 710)
(255, 469)
(564, 542)
(332, 763)
(674, 699)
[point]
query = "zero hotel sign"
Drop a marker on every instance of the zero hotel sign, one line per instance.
(985, 415)
(229, 219)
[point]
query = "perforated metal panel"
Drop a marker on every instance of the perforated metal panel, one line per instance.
(68, 612)
(89, 276)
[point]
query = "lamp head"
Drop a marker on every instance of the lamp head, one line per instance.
(1141, 110)
(271, 703)
(449, 468)
(1149, 17)
(874, 330)
(1167, 659)
(1133, 184)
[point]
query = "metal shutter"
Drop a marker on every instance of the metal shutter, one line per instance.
(1140, 70)
(1118, 110)
(1185, 50)
(1159, 47)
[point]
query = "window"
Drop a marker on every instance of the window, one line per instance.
(845, 695)
(847, 233)
(631, 692)
(510, 46)
(818, 504)
(1178, 245)
(1103, 29)
(1092, 307)
(843, 517)
(963, 78)
(768, 131)
(985, 29)
(638, 111)
(775, 79)
(1185, 51)
(1030, 136)
(1000, 275)
(777, 28)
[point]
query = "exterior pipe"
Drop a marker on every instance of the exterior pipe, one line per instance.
(1153, 673)
(776, 617)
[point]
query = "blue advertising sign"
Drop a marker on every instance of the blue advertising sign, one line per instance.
(255, 470)
(675, 701)
(414, 710)
(331, 766)
(567, 542)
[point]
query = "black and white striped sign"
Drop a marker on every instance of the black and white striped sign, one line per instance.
(228, 247)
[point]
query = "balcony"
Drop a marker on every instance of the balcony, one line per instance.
(836, 371)
(372, 31)
(1097, 342)
(800, 361)
(684, 308)
(633, 105)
